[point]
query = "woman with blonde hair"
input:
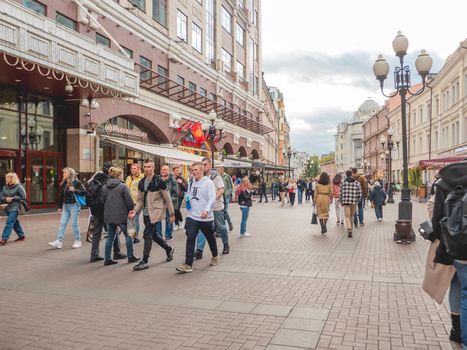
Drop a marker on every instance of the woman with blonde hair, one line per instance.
(68, 206)
(291, 190)
(245, 203)
(12, 194)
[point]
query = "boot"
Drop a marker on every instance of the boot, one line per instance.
(455, 335)
(321, 223)
(325, 229)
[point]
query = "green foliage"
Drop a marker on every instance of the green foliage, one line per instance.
(415, 178)
(312, 167)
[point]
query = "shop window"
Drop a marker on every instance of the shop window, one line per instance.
(65, 21)
(102, 40)
(159, 11)
(36, 6)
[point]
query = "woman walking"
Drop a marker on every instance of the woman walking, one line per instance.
(336, 191)
(323, 195)
(378, 198)
(245, 203)
(68, 206)
(12, 194)
(118, 206)
(292, 190)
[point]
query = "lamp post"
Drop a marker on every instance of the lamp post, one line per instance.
(289, 154)
(389, 144)
(214, 127)
(402, 86)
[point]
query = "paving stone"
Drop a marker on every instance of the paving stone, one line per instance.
(303, 324)
(272, 310)
(236, 306)
(297, 338)
(309, 313)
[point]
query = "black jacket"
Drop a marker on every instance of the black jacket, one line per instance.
(98, 208)
(117, 202)
(244, 198)
(67, 197)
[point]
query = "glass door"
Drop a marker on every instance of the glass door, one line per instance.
(51, 180)
(7, 165)
(36, 180)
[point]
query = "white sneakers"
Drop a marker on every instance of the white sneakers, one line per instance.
(246, 234)
(58, 244)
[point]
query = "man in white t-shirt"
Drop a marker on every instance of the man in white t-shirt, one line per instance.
(219, 213)
(200, 201)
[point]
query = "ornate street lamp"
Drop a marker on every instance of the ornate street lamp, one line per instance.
(289, 154)
(390, 146)
(214, 127)
(32, 133)
(402, 85)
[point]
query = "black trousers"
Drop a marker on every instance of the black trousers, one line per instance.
(292, 198)
(192, 228)
(178, 213)
(149, 235)
(97, 234)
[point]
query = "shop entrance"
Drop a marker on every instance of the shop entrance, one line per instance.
(8, 163)
(43, 173)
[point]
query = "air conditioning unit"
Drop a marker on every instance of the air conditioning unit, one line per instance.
(219, 65)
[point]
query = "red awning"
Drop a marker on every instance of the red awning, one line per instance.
(439, 162)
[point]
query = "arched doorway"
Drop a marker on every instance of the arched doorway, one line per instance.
(255, 154)
(242, 152)
(228, 150)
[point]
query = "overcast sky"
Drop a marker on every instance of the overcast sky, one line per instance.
(320, 54)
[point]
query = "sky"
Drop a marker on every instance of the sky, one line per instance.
(320, 55)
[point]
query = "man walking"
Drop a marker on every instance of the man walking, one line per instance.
(350, 195)
(228, 193)
(301, 186)
(218, 209)
(94, 188)
(262, 191)
(172, 188)
(132, 182)
(274, 189)
(201, 199)
(153, 199)
(182, 188)
(358, 216)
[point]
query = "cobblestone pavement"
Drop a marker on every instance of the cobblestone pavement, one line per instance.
(285, 287)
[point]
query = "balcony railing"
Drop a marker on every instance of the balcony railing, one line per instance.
(166, 87)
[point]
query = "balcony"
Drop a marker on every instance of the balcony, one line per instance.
(37, 41)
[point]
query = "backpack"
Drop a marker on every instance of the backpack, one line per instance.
(93, 193)
(454, 222)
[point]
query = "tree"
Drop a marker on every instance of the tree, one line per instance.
(312, 167)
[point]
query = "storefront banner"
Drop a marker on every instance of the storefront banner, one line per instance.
(231, 163)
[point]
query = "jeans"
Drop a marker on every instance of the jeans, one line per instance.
(307, 195)
(168, 227)
(112, 230)
(349, 210)
(245, 213)
(261, 194)
(455, 295)
(192, 227)
(98, 222)
(339, 210)
(137, 225)
(12, 223)
(273, 193)
(461, 271)
(149, 235)
(358, 216)
(300, 196)
(226, 210)
(292, 198)
(379, 211)
(219, 227)
(69, 211)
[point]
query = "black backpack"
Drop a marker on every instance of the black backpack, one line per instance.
(93, 193)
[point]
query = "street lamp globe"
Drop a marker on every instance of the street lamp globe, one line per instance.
(400, 44)
(220, 125)
(423, 63)
(390, 131)
(382, 139)
(381, 68)
(212, 115)
(205, 126)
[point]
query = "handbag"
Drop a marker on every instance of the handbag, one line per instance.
(23, 208)
(438, 277)
(81, 200)
(314, 217)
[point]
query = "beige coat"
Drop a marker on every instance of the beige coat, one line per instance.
(157, 201)
(323, 194)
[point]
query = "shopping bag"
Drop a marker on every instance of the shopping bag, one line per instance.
(131, 228)
(314, 217)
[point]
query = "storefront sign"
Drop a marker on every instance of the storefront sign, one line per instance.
(115, 129)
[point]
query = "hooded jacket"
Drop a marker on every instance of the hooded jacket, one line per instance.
(378, 196)
(117, 202)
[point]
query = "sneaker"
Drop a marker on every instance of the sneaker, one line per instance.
(226, 249)
(136, 240)
(176, 227)
(94, 259)
(119, 256)
(379, 219)
(362, 224)
(168, 239)
(246, 234)
(133, 259)
(230, 227)
(56, 244)
(214, 261)
(338, 223)
(198, 254)
(170, 254)
(110, 262)
(20, 239)
(184, 268)
(349, 234)
(141, 265)
(76, 245)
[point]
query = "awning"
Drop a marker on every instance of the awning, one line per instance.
(439, 162)
(233, 163)
(171, 155)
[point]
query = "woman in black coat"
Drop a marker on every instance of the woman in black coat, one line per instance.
(118, 205)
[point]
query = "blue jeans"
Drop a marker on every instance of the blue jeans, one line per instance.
(245, 213)
(69, 211)
(379, 211)
(112, 231)
(300, 196)
(226, 210)
(461, 271)
(168, 227)
(137, 226)
(358, 216)
(12, 223)
(219, 227)
(455, 295)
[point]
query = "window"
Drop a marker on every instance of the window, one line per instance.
(36, 6)
(240, 34)
(181, 25)
(240, 71)
(64, 20)
(196, 37)
(202, 91)
(212, 96)
(226, 20)
(256, 86)
(103, 40)
(161, 80)
(227, 59)
(159, 11)
(414, 119)
(192, 87)
(128, 51)
(209, 30)
(421, 114)
(139, 4)
(181, 81)
(145, 74)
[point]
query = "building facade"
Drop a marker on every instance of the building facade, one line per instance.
(283, 126)
(88, 81)
(349, 137)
